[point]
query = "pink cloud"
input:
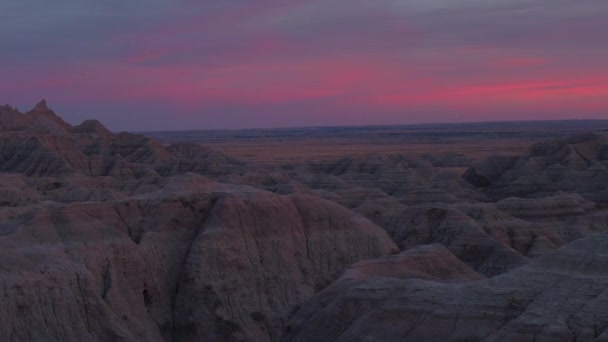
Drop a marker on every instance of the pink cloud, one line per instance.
(376, 82)
(521, 62)
(347, 62)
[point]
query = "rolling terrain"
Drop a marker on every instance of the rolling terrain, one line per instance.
(437, 232)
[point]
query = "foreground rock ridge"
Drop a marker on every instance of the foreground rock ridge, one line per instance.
(561, 296)
(107, 236)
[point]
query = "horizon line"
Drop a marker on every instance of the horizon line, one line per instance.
(443, 123)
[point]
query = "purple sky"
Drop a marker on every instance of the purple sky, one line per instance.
(160, 64)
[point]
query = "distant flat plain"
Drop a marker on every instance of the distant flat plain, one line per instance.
(278, 146)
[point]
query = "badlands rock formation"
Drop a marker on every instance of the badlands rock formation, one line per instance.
(558, 297)
(577, 164)
(229, 263)
(39, 143)
(109, 236)
(98, 250)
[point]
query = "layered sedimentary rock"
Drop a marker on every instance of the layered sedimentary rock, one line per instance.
(229, 263)
(109, 236)
(575, 164)
(561, 296)
(38, 143)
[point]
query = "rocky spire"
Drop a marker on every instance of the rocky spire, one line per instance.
(43, 118)
(41, 105)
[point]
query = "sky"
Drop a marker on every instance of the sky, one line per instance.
(184, 64)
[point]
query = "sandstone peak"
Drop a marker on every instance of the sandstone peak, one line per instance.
(43, 119)
(41, 105)
(91, 126)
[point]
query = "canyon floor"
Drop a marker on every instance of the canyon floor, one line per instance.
(451, 232)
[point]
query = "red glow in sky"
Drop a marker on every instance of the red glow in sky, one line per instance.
(273, 63)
